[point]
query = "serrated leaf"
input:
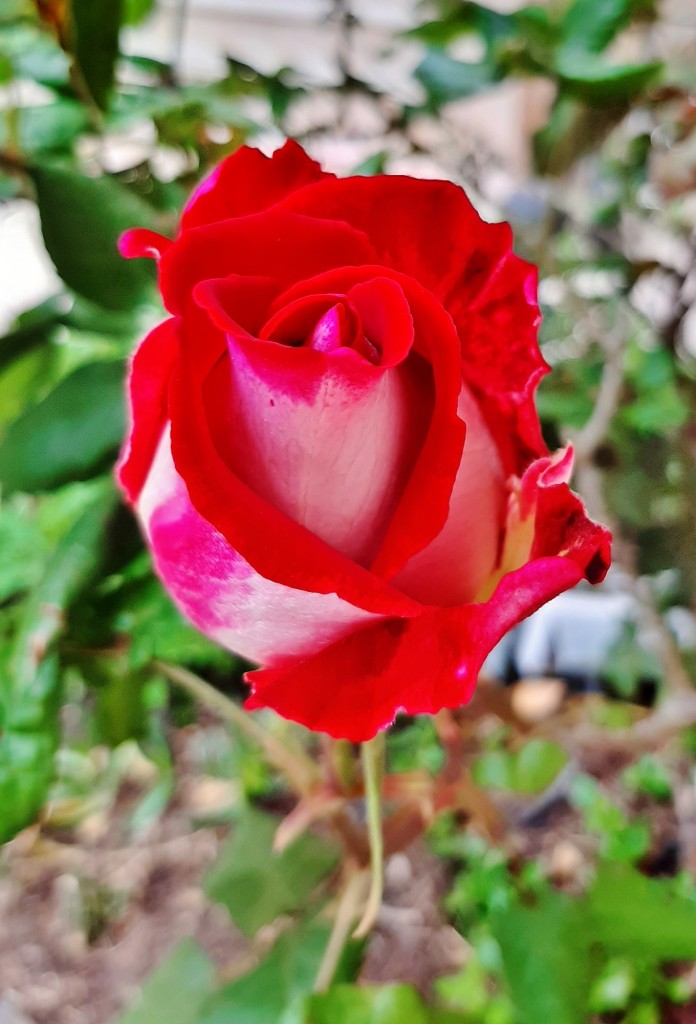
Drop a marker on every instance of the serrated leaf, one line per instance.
(81, 220)
(176, 991)
(69, 435)
(256, 884)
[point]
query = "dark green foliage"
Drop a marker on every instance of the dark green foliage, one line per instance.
(81, 220)
(70, 435)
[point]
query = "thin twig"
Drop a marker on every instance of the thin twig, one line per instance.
(593, 433)
(300, 771)
(346, 913)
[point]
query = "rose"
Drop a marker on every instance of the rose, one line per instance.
(334, 451)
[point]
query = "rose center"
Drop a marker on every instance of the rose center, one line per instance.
(324, 323)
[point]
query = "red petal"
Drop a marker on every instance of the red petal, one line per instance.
(417, 665)
(430, 230)
(142, 242)
(247, 181)
(276, 244)
(148, 388)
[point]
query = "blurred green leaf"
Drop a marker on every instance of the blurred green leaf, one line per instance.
(599, 83)
(649, 776)
(22, 552)
(29, 702)
(256, 884)
(68, 436)
(135, 11)
(622, 840)
(445, 79)
(529, 770)
(50, 126)
(546, 958)
(36, 55)
(371, 165)
(81, 220)
(177, 989)
(32, 328)
(95, 26)
(642, 916)
(387, 1004)
(590, 25)
(273, 992)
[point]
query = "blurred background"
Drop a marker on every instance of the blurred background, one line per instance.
(556, 882)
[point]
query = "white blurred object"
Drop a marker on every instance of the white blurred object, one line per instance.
(573, 634)
(27, 273)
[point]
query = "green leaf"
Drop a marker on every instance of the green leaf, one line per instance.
(135, 11)
(29, 701)
(273, 992)
(599, 83)
(81, 220)
(22, 552)
(546, 958)
(371, 165)
(51, 126)
(95, 27)
(388, 1004)
(256, 884)
(642, 916)
(31, 329)
(590, 25)
(445, 79)
(372, 1004)
(528, 770)
(176, 991)
(70, 435)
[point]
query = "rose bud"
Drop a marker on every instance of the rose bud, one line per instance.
(334, 451)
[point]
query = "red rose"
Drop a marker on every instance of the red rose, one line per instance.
(335, 454)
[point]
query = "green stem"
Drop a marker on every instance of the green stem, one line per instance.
(300, 771)
(373, 756)
(346, 913)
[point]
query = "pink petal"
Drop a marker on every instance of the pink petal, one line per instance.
(277, 547)
(326, 437)
(416, 522)
(219, 591)
(452, 568)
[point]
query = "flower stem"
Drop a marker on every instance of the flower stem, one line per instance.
(300, 770)
(373, 757)
(346, 913)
